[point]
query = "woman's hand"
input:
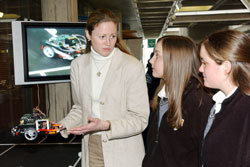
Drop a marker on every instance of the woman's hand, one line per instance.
(94, 125)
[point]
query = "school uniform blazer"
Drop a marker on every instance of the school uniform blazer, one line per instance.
(123, 101)
(179, 148)
(227, 143)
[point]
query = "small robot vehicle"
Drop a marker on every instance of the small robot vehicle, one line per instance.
(33, 124)
(65, 46)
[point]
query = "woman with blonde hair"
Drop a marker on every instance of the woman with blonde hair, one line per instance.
(110, 98)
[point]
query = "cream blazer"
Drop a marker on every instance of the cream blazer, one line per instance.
(123, 101)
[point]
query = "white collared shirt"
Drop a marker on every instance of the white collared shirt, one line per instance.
(162, 93)
(219, 97)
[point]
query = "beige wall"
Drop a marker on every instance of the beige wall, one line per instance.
(135, 46)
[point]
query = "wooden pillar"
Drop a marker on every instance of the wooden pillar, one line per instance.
(59, 10)
(58, 96)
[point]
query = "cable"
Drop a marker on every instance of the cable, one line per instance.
(48, 95)
(38, 96)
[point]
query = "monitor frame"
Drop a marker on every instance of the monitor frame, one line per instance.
(20, 51)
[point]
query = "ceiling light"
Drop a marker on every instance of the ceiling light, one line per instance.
(1, 14)
(173, 29)
(211, 12)
(195, 8)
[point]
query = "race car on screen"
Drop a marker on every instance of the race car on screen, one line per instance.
(64, 46)
(33, 124)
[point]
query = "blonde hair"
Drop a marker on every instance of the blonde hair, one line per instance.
(233, 46)
(99, 16)
(181, 62)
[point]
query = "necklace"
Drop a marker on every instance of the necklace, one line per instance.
(99, 69)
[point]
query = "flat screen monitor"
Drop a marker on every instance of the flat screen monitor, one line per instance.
(43, 51)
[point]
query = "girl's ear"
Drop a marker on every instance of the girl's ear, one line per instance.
(227, 66)
(87, 35)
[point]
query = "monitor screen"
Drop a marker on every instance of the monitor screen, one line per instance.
(43, 51)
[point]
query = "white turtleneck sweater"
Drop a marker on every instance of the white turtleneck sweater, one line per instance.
(98, 64)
